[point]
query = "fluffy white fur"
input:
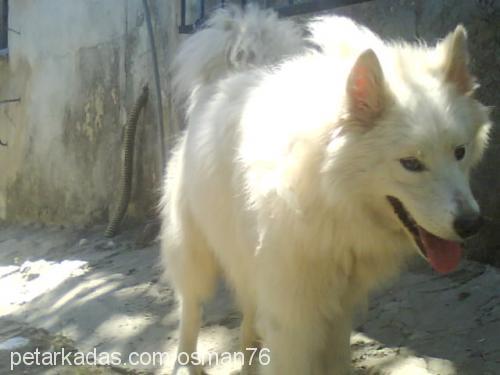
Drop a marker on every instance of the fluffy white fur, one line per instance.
(280, 181)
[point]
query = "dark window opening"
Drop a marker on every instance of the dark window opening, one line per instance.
(4, 25)
(194, 12)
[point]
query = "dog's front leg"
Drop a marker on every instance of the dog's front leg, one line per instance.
(294, 346)
(337, 352)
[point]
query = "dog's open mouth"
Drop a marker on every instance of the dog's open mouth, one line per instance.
(443, 255)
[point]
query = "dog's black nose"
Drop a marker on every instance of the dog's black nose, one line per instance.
(468, 225)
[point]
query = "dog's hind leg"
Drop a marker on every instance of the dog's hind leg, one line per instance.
(193, 271)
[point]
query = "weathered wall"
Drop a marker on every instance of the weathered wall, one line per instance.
(78, 66)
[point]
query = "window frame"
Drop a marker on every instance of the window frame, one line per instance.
(291, 9)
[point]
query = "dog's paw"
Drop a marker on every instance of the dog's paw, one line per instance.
(187, 370)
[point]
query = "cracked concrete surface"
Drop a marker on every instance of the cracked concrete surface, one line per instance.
(71, 288)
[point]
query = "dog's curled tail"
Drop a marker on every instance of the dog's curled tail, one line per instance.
(232, 40)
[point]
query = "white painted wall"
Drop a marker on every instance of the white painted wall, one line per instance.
(78, 67)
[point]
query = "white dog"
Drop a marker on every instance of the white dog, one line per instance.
(312, 165)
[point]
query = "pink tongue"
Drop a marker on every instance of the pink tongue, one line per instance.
(444, 256)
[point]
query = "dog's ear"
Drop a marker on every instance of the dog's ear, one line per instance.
(456, 61)
(366, 88)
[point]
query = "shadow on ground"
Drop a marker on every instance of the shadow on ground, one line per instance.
(71, 288)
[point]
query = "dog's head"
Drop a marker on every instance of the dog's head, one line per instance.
(418, 131)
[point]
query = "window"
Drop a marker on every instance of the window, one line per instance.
(194, 12)
(4, 26)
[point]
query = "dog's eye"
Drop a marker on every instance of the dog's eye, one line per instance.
(412, 164)
(460, 152)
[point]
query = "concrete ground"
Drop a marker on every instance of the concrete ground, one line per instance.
(71, 289)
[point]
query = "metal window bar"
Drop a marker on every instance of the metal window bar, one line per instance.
(293, 8)
(4, 24)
